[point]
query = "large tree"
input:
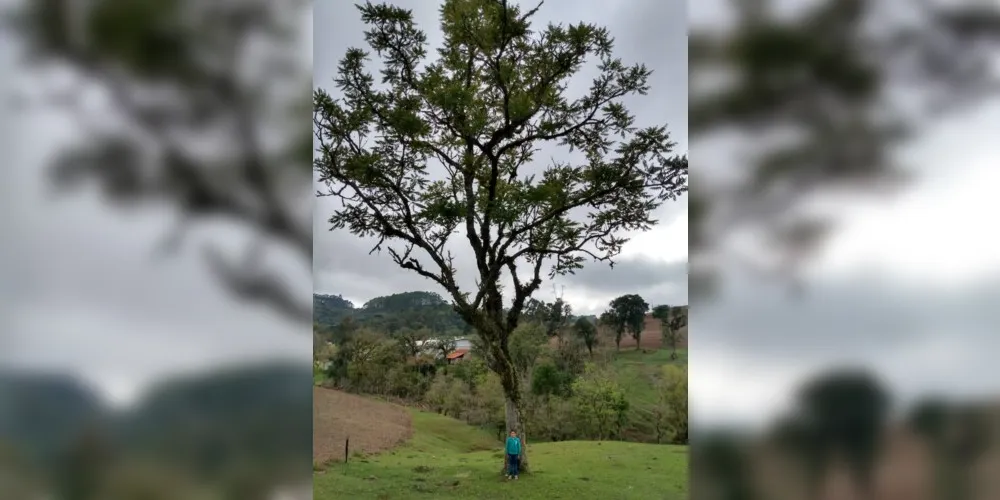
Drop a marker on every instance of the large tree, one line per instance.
(444, 146)
(629, 314)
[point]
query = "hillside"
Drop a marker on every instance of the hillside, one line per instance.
(253, 416)
(447, 459)
(370, 425)
(391, 313)
(41, 413)
(652, 337)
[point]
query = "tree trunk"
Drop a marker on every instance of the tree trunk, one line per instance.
(512, 414)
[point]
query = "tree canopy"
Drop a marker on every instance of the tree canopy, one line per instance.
(628, 313)
(441, 148)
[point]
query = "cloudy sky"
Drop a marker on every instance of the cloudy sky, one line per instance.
(82, 290)
(653, 264)
(907, 287)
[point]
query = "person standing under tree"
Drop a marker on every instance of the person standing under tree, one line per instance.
(513, 450)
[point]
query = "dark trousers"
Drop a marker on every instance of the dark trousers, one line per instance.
(513, 461)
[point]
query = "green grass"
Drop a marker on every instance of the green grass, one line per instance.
(637, 372)
(448, 459)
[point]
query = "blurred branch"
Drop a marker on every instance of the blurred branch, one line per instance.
(816, 98)
(204, 99)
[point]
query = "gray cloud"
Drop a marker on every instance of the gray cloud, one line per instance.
(852, 315)
(643, 275)
(651, 32)
(82, 291)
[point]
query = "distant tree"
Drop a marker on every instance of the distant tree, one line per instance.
(672, 320)
(630, 314)
(586, 331)
(843, 414)
(412, 340)
(347, 327)
(558, 317)
(480, 110)
(443, 347)
(553, 315)
(609, 319)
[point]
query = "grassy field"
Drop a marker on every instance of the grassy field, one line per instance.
(636, 371)
(446, 458)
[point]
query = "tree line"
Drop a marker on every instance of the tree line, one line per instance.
(573, 390)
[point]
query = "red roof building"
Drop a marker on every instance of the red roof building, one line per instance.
(457, 354)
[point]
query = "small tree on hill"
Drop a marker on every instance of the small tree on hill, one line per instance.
(442, 148)
(629, 315)
(587, 332)
(672, 320)
(609, 319)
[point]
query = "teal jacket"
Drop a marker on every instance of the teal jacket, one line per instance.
(513, 446)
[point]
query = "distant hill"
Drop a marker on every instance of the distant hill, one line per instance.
(390, 313)
(41, 413)
(331, 309)
(248, 416)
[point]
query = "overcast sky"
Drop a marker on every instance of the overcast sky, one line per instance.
(907, 287)
(82, 290)
(653, 264)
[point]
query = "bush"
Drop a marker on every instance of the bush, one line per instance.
(600, 402)
(549, 380)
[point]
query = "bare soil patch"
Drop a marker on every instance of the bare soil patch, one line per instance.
(372, 426)
(652, 337)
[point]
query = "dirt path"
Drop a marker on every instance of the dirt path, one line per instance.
(371, 425)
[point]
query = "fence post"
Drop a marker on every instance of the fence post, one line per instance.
(347, 445)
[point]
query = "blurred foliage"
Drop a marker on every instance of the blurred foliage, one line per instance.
(201, 107)
(188, 436)
(841, 423)
(815, 103)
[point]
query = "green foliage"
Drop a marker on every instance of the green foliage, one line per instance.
(526, 345)
(329, 310)
(586, 331)
(487, 408)
(672, 320)
(555, 419)
(601, 402)
(448, 396)
(671, 408)
(470, 371)
(627, 313)
(549, 380)
(554, 316)
(396, 314)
